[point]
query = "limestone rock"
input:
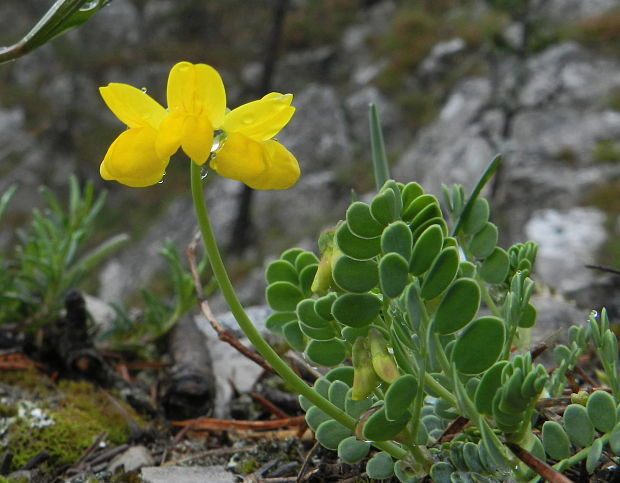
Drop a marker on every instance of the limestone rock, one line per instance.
(133, 459)
(187, 474)
(566, 242)
(320, 134)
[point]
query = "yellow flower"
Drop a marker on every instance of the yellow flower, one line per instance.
(132, 159)
(196, 108)
(248, 153)
(197, 104)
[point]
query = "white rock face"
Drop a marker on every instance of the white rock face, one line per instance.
(566, 242)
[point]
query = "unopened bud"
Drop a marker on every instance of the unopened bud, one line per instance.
(382, 360)
(364, 377)
(323, 278)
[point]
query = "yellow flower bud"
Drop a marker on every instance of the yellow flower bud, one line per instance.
(323, 278)
(382, 360)
(364, 377)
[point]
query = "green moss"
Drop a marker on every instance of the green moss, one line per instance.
(606, 151)
(568, 156)
(601, 33)
(318, 22)
(613, 99)
(82, 413)
(605, 197)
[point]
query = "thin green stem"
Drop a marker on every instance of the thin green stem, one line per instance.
(487, 297)
(440, 354)
(377, 146)
(579, 456)
(257, 340)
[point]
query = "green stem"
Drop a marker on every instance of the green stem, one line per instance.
(440, 354)
(257, 340)
(577, 457)
(379, 158)
(487, 297)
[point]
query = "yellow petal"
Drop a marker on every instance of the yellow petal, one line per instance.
(263, 119)
(169, 135)
(239, 158)
(197, 138)
(197, 90)
(210, 96)
(132, 106)
(132, 160)
(282, 169)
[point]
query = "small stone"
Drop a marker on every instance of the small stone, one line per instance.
(133, 459)
(179, 474)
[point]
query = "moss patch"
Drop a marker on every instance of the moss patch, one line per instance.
(605, 197)
(606, 151)
(80, 413)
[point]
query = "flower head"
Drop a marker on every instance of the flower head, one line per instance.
(248, 153)
(196, 109)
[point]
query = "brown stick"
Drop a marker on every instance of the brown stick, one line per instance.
(453, 429)
(585, 376)
(205, 424)
(304, 466)
(539, 466)
(269, 406)
(603, 268)
(222, 333)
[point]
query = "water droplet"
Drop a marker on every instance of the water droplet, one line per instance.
(143, 89)
(161, 181)
(204, 172)
(594, 314)
(248, 120)
(89, 5)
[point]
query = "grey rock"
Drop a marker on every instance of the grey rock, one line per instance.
(565, 11)
(466, 102)
(257, 314)
(119, 23)
(138, 264)
(566, 242)
(187, 474)
(568, 73)
(320, 134)
(316, 202)
(133, 459)
(103, 314)
(22, 475)
(555, 315)
(560, 132)
(316, 63)
(440, 54)
(233, 371)
(455, 149)
(395, 133)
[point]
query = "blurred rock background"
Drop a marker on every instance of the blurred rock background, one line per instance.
(455, 82)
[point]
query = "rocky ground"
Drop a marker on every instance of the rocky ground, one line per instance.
(453, 89)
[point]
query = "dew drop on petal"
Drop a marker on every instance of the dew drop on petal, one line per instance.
(143, 89)
(248, 120)
(89, 5)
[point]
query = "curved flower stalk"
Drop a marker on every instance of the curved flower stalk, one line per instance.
(240, 143)
(240, 146)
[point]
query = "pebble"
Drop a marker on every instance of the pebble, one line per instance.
(185, 474)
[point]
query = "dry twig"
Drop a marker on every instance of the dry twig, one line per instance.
(206, 424)
(540, 467)
(222, 333)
